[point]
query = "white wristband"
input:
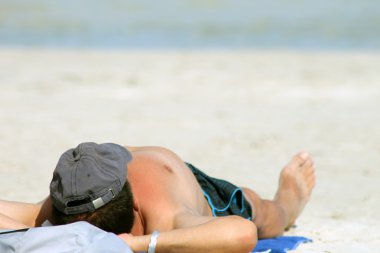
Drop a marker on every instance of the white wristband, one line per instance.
(153, 242)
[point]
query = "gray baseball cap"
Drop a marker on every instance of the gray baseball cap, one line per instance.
(88, 177)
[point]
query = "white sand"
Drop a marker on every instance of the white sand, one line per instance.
(238, 115)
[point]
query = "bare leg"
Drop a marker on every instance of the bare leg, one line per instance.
(297, 180)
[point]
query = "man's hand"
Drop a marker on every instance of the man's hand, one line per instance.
(136, 243)
(127, 238)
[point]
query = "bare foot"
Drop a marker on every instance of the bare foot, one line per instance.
(297, 181)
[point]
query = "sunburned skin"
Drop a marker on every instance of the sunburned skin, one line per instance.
(163, 187)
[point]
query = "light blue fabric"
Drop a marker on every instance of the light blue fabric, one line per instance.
(82, 237)
(280, 244)
(78, 237)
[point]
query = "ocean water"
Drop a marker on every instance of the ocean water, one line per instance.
(323, 24)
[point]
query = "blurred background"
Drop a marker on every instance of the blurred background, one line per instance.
(296, 24)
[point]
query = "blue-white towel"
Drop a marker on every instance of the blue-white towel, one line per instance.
(279, 244)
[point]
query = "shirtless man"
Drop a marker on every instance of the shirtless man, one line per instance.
(167, 196)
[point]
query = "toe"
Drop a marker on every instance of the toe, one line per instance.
(298, 160)
(311, 182)
(308, 164)
(307, 169)
(303, 155)
(310, 172)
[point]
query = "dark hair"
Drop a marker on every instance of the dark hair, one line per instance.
(116, 216)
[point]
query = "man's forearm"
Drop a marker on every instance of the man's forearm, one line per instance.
(9, 223)
(19, 212)
(227, 234)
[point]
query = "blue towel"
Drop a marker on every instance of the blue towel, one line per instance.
(280, 244)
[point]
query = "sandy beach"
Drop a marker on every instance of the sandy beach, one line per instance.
(238, 115)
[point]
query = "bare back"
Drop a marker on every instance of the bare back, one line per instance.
(164, 188)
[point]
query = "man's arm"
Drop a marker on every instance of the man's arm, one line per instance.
(219, 235)
(9, 223)
(13, 214)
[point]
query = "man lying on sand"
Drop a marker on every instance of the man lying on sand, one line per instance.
(138, 191)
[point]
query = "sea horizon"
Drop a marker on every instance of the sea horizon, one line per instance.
(224, 24)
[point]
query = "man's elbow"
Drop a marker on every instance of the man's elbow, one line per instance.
(243, 237)
(248, 237)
